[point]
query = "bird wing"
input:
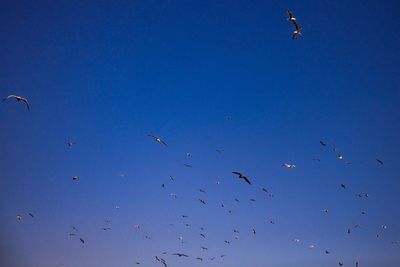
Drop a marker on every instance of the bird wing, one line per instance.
(237, 173)
(165, 144)
(246, 179)
(26, 103)
(290, 15)
(8, 97)
(152, 136)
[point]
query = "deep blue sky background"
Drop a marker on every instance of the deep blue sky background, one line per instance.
(107, 73)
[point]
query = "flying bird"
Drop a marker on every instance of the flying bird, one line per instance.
(202, 201)
(202, 235)
(70, 143)
(18, 99)
(75, 178)
(162, 261)
(18, 217)
(30, 214)
(180, 255)
(187, 165)
(343, 186)
(82, 241)
(379, 161)
(289, 166)
(157, 139)
(241, 176)
(322, 143)
(254, 231)
(298, 28)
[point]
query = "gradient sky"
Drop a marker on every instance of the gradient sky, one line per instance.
(107, 73)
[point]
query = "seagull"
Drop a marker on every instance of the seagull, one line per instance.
(252, 199)
(157, 139)
(18, 99)
(254, 231)
(74, 228)
(223, 255)
(271, 222)
(200, 259)
(325, 210)
(311, 246)
(162, 261)
(202, 235)
(322, 143)
(204, 248)
(180, 255)
(201, 190)
(70, 143)
(82, 241)
(296, 26)
(340, 263)
(343, 186)
(241, 176)
(188, 165)
(18, 217)
(188, 154)
(379, 161)
(227, 242)
(237, 200)
(106, 228)
(30, 214)
(202, 201)
(296, 240)
(172, 178)
(340, 156)
(289, 166)
(185, 216)
(75, 178)
(327, 252)
(136, 226)
(348, 230)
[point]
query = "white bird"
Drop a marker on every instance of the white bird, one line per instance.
(18, 99)
(157, 139)
(289, 166)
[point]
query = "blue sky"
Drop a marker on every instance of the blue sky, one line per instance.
(107, 73)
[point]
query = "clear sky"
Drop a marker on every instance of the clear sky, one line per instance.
(107, 73)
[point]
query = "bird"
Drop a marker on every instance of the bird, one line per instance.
(325, 210)
(343, 186)
(241, 176)
(106, 228)
(252, 199)
(327, 252)
(202, 201)
(254, 231)
(237, 200)
(340, 157)
(311, 246)
(322, 143)
(296, 240)
(379, 161)
(82, 241)
(219, 150)
(227, 242)
(163, 185)
(289, 166)
(180, 255)
(348, 231)
(172, 178)
(340, 263)
(30, 214)
(162, 261)
(201, 190)
(204, 248)
(75, 178)
(157, 139)
(184, 216)
(188, 154)
(136, 226)
(18, 217)
(70, 143)
(316, 159)
(202, 235)
(271, 222)
(298, 28)
(18, 99)
(187, 165)
(200, 259)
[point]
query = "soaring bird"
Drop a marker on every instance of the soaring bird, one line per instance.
(82, 241)
(187, 165)
(157, 139)
(289, 166)
(204, 248)
(343, 186)
(162, 261)
(18, 99)
(18, 217)
(75, 178)
(241, 176)
(298, 28)
(254, 231)
(30, 214)
(202, 235)
(379, 161)
(180, 255)
(201, 190)
(70, 143)
(340, 263)
(322, 143)
(202, 201)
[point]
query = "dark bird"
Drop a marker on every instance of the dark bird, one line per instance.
(202, 201)
(202, 235)
(227, 242)
(219, 150)
(18, 217)
(241, 176)
(289, 166)
(340, 263)
(180, 255)
(348, 231)
(316, 159)
(75, 178)
(254, 231)
(322, 143)
(83, 241)
(188, 165)
(185, 216)
(327, 252)
(30, 214)
(237, 200)
(163, 185)
(162, 261)
(298, 28)
(200, 259)
(204, 248)
(201, 190)
(157, 139)
(379, 161)
(343, 186)
(18, 99)
(252, 199)
(106, 228)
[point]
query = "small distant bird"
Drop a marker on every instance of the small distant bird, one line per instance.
(252, 199)
(358, 225)
(172, 178)
(219, 150)
(384, 226)
(222, 205)
(223, 255)
(202, 228)
(327, 252)
(241, 176)
(204, 248)
(322, 143)
(157, 139)
(106, 228)
(147, 237)
(343, 186)
(271, 222)
(74, 228)
(188, 165)
(201, 190)
(254, 231)
(136, 226)
(298, 28)
(185, 216)
(325, 210)
(30, 214)
(173, 195)
(289, 166)
(212, 258)
(237, 200)
(296, 240)
(265, 190)
(75, 178)
(363, 212)
(180, 255)
(227, 242)
(316, 159)
(200, 259)
(340, 263)
(162, 261)
(18, 99)
(348, 231)
(70, 143)
(236, 231)
(117, 207)
(379, 161)
(340, 156)
(188, 154)
(202, 235)
(18, 217)
(228, 118)
(311, 246)
(202, 201)
(188, 224)
(163, 185)
(82, 241)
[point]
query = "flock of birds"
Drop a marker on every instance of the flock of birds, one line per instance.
(238, 174)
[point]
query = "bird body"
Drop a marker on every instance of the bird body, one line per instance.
(241, 176)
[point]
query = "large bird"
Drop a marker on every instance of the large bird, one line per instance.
(293, 20)
(157, 139)
(18, 99)
(241, 176)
